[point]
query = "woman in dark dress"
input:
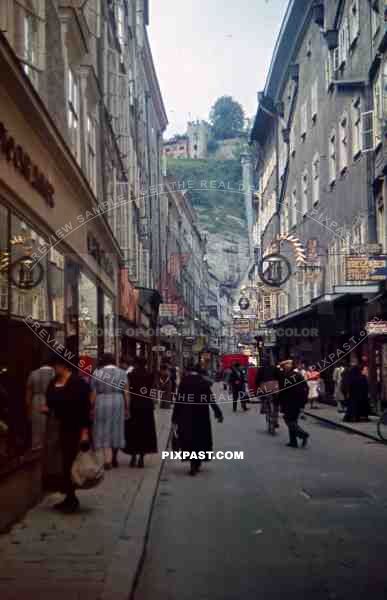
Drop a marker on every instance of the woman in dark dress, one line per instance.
(69, 400)
(191, 415)
(141, 437)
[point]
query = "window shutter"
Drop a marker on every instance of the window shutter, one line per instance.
(367, 131)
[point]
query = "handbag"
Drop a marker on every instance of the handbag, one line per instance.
(88, 470)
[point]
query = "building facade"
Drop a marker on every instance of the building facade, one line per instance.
(319, 137)
(80, 212)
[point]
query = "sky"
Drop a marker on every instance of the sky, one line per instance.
(204, 49)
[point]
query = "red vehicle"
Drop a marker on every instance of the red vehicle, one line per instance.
(228, 360)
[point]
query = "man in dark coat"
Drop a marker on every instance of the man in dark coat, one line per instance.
(293, 396)
(238, 386)
(140, 429)
(356, 385)
(191, 415)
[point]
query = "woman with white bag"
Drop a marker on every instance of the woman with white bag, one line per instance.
(69, 399)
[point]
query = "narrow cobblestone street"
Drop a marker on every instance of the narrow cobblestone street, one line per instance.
(282, 522)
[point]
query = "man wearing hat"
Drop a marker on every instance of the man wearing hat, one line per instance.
(293, 396)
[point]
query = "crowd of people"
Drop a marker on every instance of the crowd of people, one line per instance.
(120, 417)
(113, 411)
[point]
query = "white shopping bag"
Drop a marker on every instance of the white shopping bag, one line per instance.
(88, 470)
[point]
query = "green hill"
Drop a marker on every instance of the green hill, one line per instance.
(215, 186)
(219, 210)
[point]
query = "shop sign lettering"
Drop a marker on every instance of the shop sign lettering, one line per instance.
(22, 162)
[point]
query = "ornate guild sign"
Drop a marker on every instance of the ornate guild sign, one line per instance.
(25, 274)
(274, 270)
(244, 303)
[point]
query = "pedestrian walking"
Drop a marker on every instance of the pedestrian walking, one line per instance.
(357, 404)
(165, 386)
(37, 384)
(111, 407)
(69, 400)
(267, 384)
(191, 415)
(237, 383)
(141, 437)
(293, 396)
(338, 373)
(312, 377)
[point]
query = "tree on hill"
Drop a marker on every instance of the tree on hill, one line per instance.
(226, 118)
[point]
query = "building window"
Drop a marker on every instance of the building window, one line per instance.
(113, 87)
(314, 100)
(294, 207)
(73, 113)
(305, 192)
(332, 156)
(30, 40)
(354, 21)
(356, 127)
(316, 179)
(292, 141)
(381, 225)
(304, 120)
(343, 42)
(375, 17)
(120, 22)
(285, 216)
(91, 153)
(329, 70)
(108, 317)
(88, 319)
(343, 143)
(378, 108)
(300, 289)
(4, 258)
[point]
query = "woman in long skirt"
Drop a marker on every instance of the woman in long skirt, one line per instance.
(111, 408)
(141, 437)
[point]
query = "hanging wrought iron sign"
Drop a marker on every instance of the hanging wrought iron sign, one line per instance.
(244, 303)
(274, 270)
(296, 244)
(25, 273)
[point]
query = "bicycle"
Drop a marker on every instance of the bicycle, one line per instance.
(271, 415)
(382, 427)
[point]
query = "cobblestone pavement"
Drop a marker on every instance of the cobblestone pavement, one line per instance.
(49, 555)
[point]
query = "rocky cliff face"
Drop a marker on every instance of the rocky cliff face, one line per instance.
(216, 190)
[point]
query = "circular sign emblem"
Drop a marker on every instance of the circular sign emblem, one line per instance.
(274, 270)
(25, 274)
(244, 303)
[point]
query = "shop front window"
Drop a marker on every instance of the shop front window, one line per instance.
(108, 324)
(56, 285)
(28, 280)
(88, 319)
(4, 259)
